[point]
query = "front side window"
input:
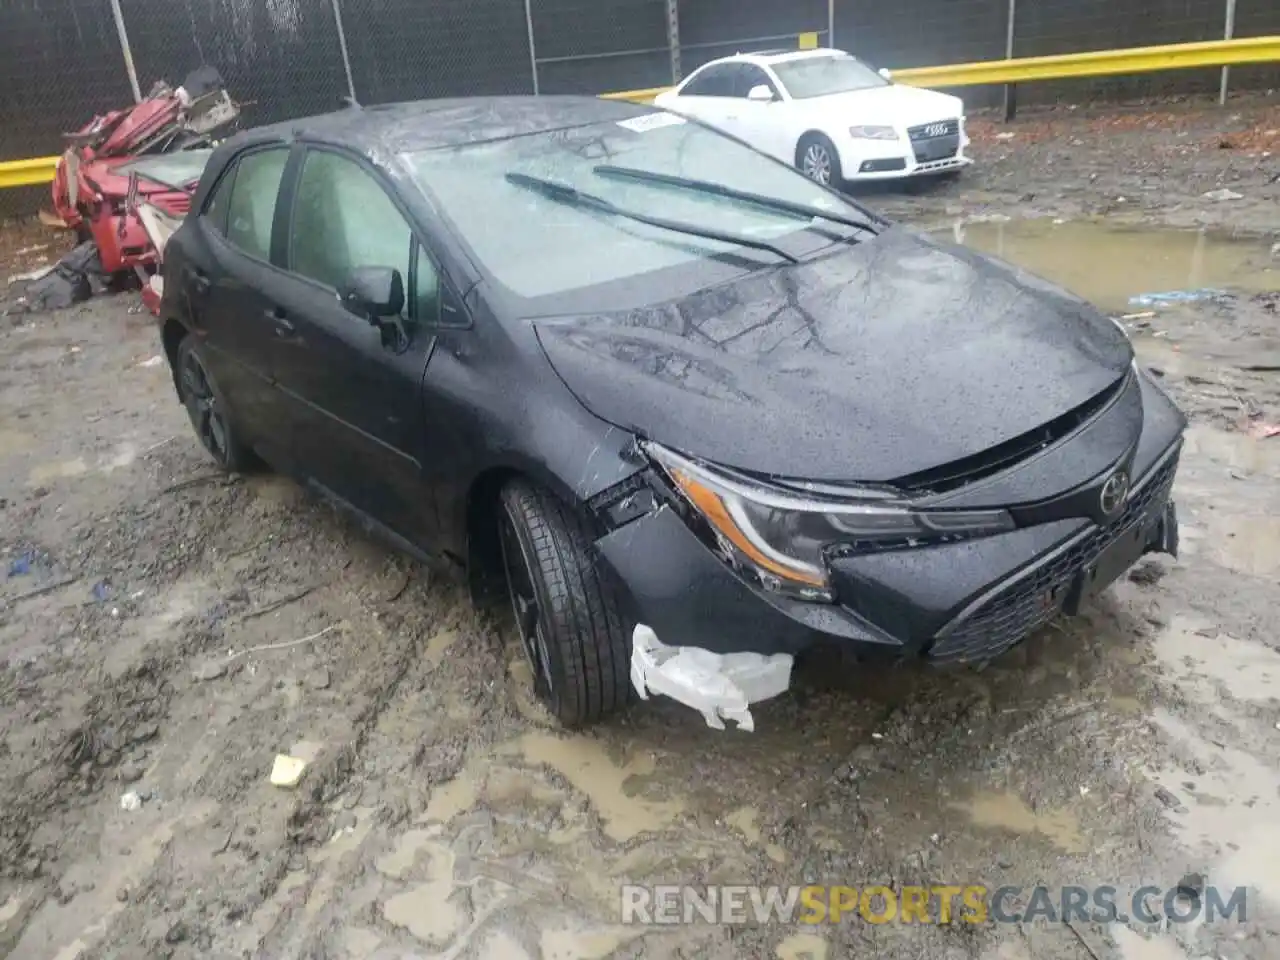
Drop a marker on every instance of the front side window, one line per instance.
(426, 293)
(822, 76)
(251, 207)
(343, 219)
(711, 82)
(535, 245)
(749, 77)
(215, 208)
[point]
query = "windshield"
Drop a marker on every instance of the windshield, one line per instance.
(537, 246)
(822, 76)
(170, 169)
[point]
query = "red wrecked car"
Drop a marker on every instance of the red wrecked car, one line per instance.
(147, 155)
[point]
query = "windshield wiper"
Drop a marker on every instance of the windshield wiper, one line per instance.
(564, 193)
(720, 190)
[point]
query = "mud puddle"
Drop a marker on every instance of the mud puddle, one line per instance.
(1107, 264)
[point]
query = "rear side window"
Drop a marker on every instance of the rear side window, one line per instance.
(343, 219)
(248, 194)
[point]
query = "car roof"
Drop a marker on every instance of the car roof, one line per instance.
(431, 124)
(770, 57)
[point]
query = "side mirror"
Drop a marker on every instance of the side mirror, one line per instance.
(373, 293)
(884, 72)
(760, 93)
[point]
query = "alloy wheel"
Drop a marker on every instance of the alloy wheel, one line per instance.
(207, 415)
(816, 163)
(524, 606)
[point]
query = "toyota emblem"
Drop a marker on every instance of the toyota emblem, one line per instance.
(1114, 492)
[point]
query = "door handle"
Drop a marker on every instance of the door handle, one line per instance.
(283, 327)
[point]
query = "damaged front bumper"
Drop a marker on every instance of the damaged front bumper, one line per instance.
(704, 627)
(730, 644)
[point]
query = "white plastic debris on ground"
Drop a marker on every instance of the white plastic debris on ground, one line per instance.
(287, 771)
(719, 686)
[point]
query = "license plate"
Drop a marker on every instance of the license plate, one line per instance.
(1114, 561)
(937, 149)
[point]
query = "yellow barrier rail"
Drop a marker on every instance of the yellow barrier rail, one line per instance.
(1101, 63)
(25, 173)
(1067, 66)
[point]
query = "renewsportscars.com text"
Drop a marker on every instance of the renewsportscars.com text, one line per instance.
(940, 904)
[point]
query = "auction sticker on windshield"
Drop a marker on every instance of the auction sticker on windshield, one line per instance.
(651, 121)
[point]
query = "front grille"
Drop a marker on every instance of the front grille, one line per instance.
(929, 131)
(1030, 603)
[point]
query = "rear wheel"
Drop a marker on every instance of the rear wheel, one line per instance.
(817, 159)
(566, 611)
(207, 409)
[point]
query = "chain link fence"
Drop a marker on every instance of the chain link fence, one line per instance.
(280, 59)
(921, 31)
(710, 29)
(412, 49)
(62, 61)
(1064, 26)
(590, 46)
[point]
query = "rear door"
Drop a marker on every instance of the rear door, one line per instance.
(223, 277)
(354, 399)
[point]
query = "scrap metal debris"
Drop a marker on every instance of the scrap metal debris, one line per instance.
(73, 279)
(123, 184)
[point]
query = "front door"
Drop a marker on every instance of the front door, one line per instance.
(761, 123)
(355, 393)
(708, 96)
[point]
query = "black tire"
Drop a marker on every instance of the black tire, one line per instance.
(573, 634)
(208, 411)
(813, 146)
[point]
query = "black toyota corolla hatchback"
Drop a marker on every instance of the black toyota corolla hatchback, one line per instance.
(682, 410)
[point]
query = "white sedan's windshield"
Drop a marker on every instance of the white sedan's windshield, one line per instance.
(823, 76)
(536, 245)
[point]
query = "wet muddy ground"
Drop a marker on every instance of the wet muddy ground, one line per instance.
(165, 632)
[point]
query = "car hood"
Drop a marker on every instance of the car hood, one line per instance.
(891, 105)
(891, 356)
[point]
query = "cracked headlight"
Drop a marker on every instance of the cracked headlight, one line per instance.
(873, 133)
(782, 536)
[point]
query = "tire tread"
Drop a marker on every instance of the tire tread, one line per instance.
(582, 618)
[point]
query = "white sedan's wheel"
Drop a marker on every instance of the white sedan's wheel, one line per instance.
(817, 159)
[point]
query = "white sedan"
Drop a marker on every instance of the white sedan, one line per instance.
(827, 112)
